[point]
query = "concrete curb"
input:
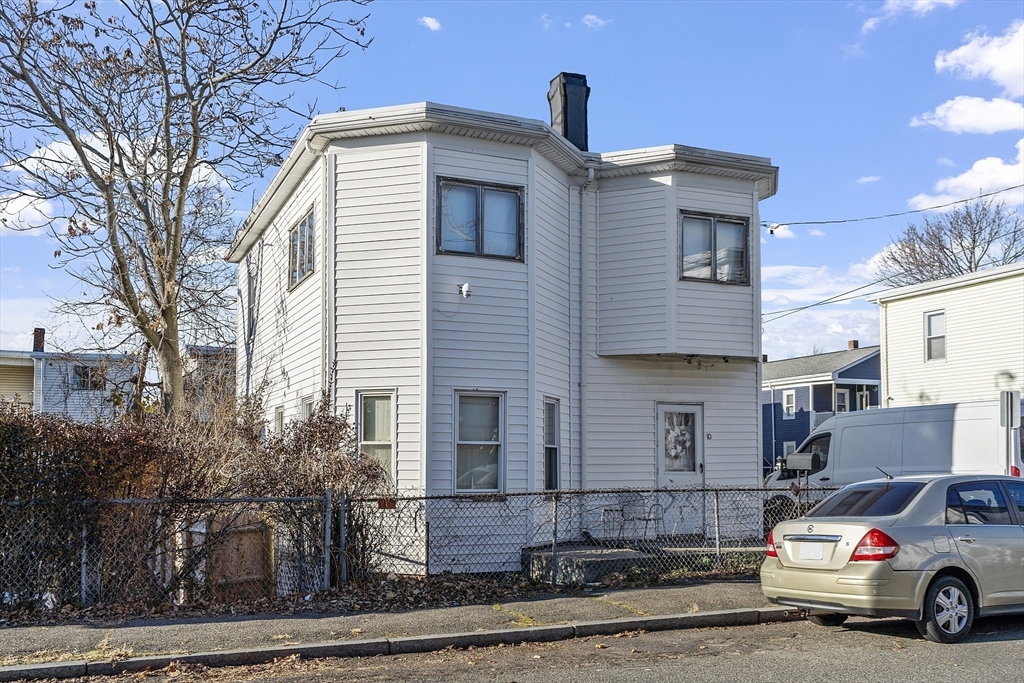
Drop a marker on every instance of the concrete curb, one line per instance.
(412, 644)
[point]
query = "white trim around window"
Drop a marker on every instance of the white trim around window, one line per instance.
(934, 336)
(479, 441)
(789, 404)
(788, 447)
(376, 426)
(845, 402)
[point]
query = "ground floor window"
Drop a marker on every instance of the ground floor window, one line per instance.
(551, 442)
(279, 419)
(479, 437)
(376, 429)
(842, 400)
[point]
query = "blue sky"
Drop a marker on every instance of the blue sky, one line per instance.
(867, 107)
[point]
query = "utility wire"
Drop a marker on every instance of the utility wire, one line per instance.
(771, 225)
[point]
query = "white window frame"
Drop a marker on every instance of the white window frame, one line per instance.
(714, 218)
(306, 407)
(846, 400)
(788, 397)
(302, 250)
(552, 447)
(481, 188)
(928, 316)
(279, 419)
(391, 394)
(501, 442)
(788, 447)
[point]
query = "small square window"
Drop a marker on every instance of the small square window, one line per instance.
(479, 220)
(88, 378)
(300, 251)
(788, 447)
(935, 336)
(714, 248)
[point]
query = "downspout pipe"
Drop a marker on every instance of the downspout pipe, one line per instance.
(584, 324)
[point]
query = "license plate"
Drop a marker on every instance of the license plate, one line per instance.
(810, 551)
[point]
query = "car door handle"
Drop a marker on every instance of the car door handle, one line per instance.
(966, 539)
(824, 479)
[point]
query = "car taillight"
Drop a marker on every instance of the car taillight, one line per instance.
(1014, 471)
(876, 545)
(770, 547)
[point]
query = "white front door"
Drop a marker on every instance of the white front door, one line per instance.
(680, 445)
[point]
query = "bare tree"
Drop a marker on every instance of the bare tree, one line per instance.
(132, 124)
(973, 236)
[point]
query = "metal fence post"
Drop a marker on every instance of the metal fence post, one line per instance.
(554, 539)
(328, 523)
(83, 571)
(718, 533)
(342, 538)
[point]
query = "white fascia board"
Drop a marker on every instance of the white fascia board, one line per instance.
(795, 382)
(998, 273)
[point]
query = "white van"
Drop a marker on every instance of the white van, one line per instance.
(981, 437)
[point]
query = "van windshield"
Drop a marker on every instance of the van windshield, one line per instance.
(819, 445)
(868, 500)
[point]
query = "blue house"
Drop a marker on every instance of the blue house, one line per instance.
(798, 394)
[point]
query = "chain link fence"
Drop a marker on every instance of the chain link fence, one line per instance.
(568, 537)
(228, 550)
(157, 551)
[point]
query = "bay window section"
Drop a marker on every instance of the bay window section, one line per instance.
(478, 442)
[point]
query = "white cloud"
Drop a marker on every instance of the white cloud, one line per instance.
(782, 231)
(825, 328)
(24, 214)
(430, 22)
(893, 8)
(999, 58)
(20, 317)
(594, 21)
(815, 233)
(865, 180)
(964, 114)
(986, 175)
(545, 21)
(946, 161)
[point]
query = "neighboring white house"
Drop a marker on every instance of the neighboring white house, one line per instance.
(504, 310)
(81, 385)
(951, 340)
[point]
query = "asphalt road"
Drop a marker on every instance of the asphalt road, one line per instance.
(861, 650)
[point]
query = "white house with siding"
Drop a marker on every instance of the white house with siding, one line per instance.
(504, 310)
(951, 340)
(80, 385)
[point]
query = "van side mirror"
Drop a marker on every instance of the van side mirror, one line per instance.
(803, 461)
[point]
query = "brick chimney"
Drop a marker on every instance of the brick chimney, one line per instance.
(852, 344)
(38, 339)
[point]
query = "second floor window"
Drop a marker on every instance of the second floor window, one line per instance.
(714, 248)
(788, 405)
(935, 336)
(479, 220)
(88, 378)
(300, 251)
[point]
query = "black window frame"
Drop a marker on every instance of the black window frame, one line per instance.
(480, 187)
(294, 276)
(714, 217)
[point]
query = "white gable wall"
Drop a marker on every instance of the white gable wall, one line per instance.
(984, 344)
(286, 350)
(378, 286)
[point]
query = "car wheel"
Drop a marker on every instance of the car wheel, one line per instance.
(948, 611)
(827, 619)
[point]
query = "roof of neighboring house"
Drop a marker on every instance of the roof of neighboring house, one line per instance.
(430, 117)
(997, 273)
(819, 367)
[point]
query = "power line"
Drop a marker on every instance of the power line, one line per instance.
(771, 225)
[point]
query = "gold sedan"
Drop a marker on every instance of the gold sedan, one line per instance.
(940, 550)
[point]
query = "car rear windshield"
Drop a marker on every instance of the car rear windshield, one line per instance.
(868, 500)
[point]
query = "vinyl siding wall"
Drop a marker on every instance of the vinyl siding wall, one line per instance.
(984, 347)
(286, 350)
(378, 282)
(482, 343)
(54, 385)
